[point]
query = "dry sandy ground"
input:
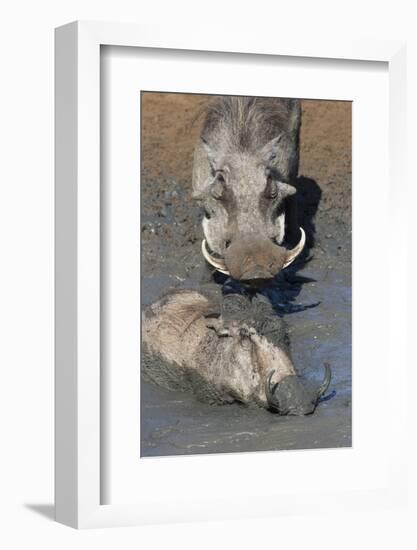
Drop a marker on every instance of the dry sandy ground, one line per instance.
(171, 124)
(171, 235)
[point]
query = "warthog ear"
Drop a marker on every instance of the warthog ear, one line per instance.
(269, 151)
(203, 174)
(212, 154)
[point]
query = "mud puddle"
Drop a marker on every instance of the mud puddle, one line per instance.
(175, 423)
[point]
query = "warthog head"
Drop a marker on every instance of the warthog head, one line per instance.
(243, 166)
(292, 397)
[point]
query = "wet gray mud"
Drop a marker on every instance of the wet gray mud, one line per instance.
(174, 423)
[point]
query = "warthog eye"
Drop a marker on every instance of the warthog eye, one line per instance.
(207, 214)
(271, 188)
(217, 189)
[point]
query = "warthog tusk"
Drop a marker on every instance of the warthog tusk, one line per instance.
(293, 253)
(215, 262)
(269, 391)
(326, 381)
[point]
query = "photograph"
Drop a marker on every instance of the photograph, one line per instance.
(208, 268)
(246, 273)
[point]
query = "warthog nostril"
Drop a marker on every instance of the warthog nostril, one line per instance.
(227, 243)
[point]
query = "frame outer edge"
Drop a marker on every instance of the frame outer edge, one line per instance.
(400, 243)
(88, 275)
(66, 346)
(77, 260)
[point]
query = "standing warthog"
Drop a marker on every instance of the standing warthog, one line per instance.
(224, 350)
(244, 165)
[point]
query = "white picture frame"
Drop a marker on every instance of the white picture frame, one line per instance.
(78, 449)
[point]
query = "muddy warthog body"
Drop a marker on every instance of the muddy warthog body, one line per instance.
(223, 350)
(244, 166)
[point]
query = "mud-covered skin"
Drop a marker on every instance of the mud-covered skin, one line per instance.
(294, 398)
(222, 349)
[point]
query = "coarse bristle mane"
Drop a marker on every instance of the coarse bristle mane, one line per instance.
(248, 123)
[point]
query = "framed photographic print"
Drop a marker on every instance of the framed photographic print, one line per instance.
(216, 203)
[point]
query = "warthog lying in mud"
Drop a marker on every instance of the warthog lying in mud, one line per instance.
(244, 166)
(224, 350)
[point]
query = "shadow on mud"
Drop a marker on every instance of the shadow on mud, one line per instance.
(288, 284)
(308, 200)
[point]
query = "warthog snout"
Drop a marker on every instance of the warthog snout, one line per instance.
(254, 258)
(291, 397)
(251, 257)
